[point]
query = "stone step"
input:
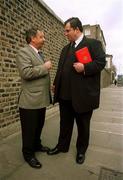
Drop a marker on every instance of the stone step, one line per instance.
(109, 119)
(97, 157)
(106, 139)
(108, 116)
(112, 89)
(111, 99)
(113, 102)
(108, 113)
(107, 127)
(109, 107)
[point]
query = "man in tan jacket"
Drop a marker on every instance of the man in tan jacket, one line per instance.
(34, 96)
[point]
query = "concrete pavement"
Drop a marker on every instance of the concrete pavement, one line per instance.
(105, 149)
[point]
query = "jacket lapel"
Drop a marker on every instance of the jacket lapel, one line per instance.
(36, 55)
(81, 44)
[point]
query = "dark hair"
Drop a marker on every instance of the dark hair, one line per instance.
(30, 33)
(75, 23)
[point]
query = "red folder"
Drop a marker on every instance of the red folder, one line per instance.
(83, 55)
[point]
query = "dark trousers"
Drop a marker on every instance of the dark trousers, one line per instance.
(67, 116)
(32, 122)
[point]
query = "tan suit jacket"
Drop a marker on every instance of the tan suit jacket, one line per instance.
(35, 89)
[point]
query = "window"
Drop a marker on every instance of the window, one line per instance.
(108, 64)
(87, 32)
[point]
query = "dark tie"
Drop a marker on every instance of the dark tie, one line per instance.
(41, 55)
(72, 47)
(73, 44)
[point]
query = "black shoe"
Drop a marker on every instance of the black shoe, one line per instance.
(55, 151)
(33, 162)
(80, 158)
(42, 149)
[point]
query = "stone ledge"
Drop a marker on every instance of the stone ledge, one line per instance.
(14, 128)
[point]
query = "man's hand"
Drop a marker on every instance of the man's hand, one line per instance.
(48, 65)
(79, 67)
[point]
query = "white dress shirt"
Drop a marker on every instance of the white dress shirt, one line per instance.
(78, 40)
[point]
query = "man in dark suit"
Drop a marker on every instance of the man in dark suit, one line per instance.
(77, 88)
(34, 96)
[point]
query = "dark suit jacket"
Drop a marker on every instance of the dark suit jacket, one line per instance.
(85, 87)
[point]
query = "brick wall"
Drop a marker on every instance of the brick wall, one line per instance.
(15, 17)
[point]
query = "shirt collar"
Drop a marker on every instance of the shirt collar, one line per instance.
(33, 48)
(79, 40)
